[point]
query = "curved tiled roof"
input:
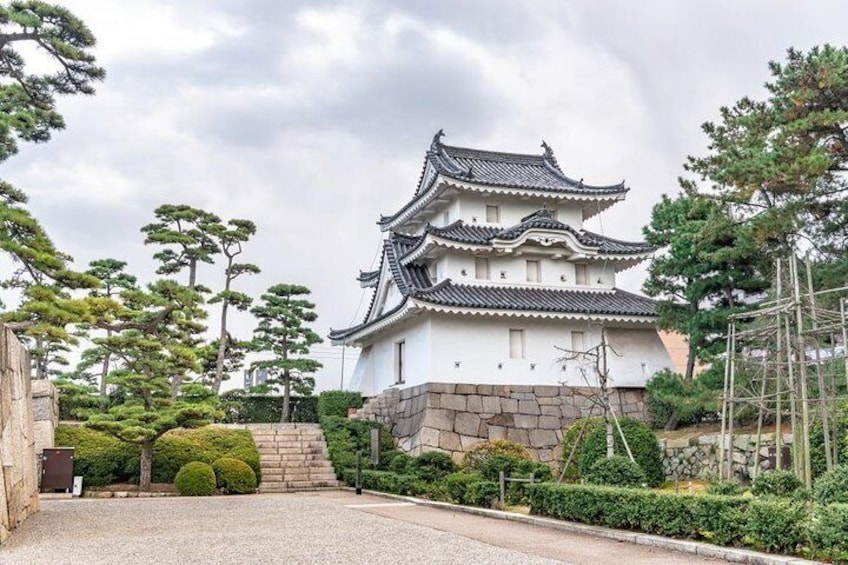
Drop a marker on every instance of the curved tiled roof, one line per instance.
(461, 232)
(572, 301)
(539, 173)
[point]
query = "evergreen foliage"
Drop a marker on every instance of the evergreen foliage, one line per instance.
(777, 483)
(234, 476)
(283, 333)
(337, 402)
(643, 444)
(832, 486)
(615, 471)
(195, 479)
(479, 454)
(577, 433)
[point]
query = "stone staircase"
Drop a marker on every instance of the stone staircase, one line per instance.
(293, 457)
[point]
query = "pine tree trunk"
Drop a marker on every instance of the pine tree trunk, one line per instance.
(690, 362)
(104, 372)
(284, 417)
(222, 338)
(146, 469)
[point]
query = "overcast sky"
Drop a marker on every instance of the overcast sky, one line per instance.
(312, 118)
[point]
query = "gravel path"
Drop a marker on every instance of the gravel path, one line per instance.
(254, 529)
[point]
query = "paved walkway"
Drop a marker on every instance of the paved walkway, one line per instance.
(325, 527)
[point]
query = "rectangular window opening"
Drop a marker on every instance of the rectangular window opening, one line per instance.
(581, 274)
(534, 271)
(400, 352)
(578, 341)
(481, 268)
(493, 214)
(516, 344)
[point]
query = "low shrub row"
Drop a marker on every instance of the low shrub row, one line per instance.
(461, 488)
(769, 523)
(242, 408)
(101, 459)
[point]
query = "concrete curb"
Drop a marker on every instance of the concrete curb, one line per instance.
(732, 554)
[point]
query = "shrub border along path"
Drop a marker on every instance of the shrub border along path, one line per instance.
(732, 554)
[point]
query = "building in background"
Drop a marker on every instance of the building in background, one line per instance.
(254, 377)
(487, 274)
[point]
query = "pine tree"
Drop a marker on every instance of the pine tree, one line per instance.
(283, 333)
(149, 345)
(709, 266)
(229, 239)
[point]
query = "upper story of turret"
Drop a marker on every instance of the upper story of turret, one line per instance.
(496, 190)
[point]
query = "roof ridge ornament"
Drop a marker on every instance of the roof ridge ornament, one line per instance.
(549, 153)
(436, 144)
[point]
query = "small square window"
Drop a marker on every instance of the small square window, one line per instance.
(481, 268)
(581, 274)
(516, 344)
(493, 214)
(446, 217)
(534, 271)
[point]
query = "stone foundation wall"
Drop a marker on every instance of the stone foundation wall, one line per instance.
(453, 417)
(45, 415)
(698, 457)
(18, 477)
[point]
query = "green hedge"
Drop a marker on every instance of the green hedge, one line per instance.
(345, 437)
(616, 471)
(769, 523)
(386, 481)
(716, 518)
(241, 408)
(337, 402)
(101, 459)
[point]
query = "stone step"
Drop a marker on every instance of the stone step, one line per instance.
(290, 486)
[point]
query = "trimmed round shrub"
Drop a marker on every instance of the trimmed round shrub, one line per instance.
(724, 488)
(616, 471)
(234, 476)
(195, 479)
(432, 466)
(401, 464)
(577, 433)
(777, 483)
(832, 486)
(643, 444)
(477, 456)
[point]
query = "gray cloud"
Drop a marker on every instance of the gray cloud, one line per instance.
(312, 118)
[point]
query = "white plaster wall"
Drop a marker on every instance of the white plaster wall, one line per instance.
(453, 263)
(473, 206)
(641, 354)
(480, 344)
(378, 365)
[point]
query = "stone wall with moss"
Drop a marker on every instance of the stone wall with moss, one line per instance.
(698, 457)
(453, 417)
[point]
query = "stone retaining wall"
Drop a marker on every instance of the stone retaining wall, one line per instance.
(18, 478)
(453, 417)
(697, 457)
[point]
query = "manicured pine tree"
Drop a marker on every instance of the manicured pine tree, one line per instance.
(282, 332)
(149, 345)
(229, 239)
